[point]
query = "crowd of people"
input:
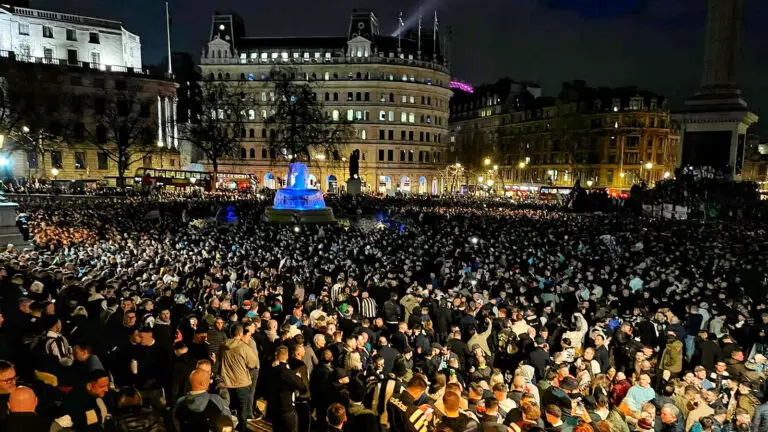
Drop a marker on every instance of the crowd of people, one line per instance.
(414, 315)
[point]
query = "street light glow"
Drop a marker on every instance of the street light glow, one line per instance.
(55, 171)
(495, 167)
(297, 229)
(320, 156)
(458, 165)
(667, 174)
(622, 174)
(490, 182)
(480, 179)
(648, 165)
(487, 161)
(474, 240)
(590, 183)
(522, 165)
(25, 129)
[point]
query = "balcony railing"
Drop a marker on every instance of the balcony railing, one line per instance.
(14, 57)
(63, 17)
(333, 60)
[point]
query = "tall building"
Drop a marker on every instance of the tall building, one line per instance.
(88, 62)
(715, 121)
(394, 89)
(603, 137)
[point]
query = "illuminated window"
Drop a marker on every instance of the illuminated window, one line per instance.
(251, 115)
(363, 135)
(411, 118)
(350, 115)
(391, 116)
(335, 115)
(403, 117)
(382, 115)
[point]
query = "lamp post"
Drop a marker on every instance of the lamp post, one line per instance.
(55, 173)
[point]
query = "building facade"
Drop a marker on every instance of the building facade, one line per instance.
(394, 91)
(87, 63)
(610, 138)
(59, 37)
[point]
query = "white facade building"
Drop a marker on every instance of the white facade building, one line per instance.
(62, 38)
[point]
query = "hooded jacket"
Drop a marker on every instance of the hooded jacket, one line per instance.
(236, 359)
(672, 358)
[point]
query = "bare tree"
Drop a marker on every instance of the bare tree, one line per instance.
(123, 127)
(300, 124)
(219, 126)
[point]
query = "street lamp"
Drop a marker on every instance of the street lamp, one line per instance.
(193, 180)
(480, 179)
(622, 174)
(522, 165)
(648, 165)
(474, 240)
(55, 173)
(25, 129)
(495, 167)
(667, 174)
(589, 183)
(487, 161)
(458, 165)
(489, 182)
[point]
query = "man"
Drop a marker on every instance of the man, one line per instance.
(335, 417)
(86, 407)
(281, 410)
(669, 420)
(303, 410)
(553, 419)
(491, 420)
(359, 418)
(7, 386)
(183, 365)
(454, 419)
(638, 394)
(404, 414)
(151, 367)
(237, 358)
(601, 353)
(195, 411)
(22, 417)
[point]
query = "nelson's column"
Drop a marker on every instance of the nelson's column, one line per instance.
(714, 122)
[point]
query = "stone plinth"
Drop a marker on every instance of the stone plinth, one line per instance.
(9, 232)
(354, 186)
(288, 216)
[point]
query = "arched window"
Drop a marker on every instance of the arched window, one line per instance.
(335, 115)
(226, 75)
(251, 114)
(263, 114)
(327, 96)
(220, 76)
(327, 76)
(210, 76)
(252, 153)
(252, 133)
(335, 97)
(263, 132)
(358, 75)
(314, 76)
(242, 77)
(358, 96)
(242, 153)
(263, 153)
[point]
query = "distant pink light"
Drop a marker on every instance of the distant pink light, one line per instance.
(462, 86)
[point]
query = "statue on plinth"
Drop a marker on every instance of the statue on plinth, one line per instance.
(354, 165)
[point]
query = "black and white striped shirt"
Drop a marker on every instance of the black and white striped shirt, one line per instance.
(369, 308)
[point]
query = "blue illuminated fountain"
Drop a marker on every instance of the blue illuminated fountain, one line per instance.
(297, 203)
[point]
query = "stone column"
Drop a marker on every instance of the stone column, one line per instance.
(723, 43)
(159, 121)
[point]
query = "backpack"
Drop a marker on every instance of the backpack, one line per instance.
(193, 421)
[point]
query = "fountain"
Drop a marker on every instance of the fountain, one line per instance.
(297, 203)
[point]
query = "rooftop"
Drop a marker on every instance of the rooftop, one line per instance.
(63, 17)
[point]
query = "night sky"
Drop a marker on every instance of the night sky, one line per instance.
(654, 44)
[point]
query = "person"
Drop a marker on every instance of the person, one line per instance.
(359, 418)
(183, 365)
(281, 409)
(151, 365)
(237, 358)
(22, 417)
(87, 408)
(7, 386)
(131, 415)
(405, 411)
(491, 420)
(198, 410)
(452, 418)
(335, 417)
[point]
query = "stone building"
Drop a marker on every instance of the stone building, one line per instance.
(85, 61)
(395, 91)
(604, 137)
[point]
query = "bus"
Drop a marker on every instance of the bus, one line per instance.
(168, 178)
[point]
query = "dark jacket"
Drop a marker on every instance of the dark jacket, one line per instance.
(183, 366)
(138, 419)
(389, 355)
(284, 382)
(391, 312)
(540, 359)
(360, 418)
(29, 422)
